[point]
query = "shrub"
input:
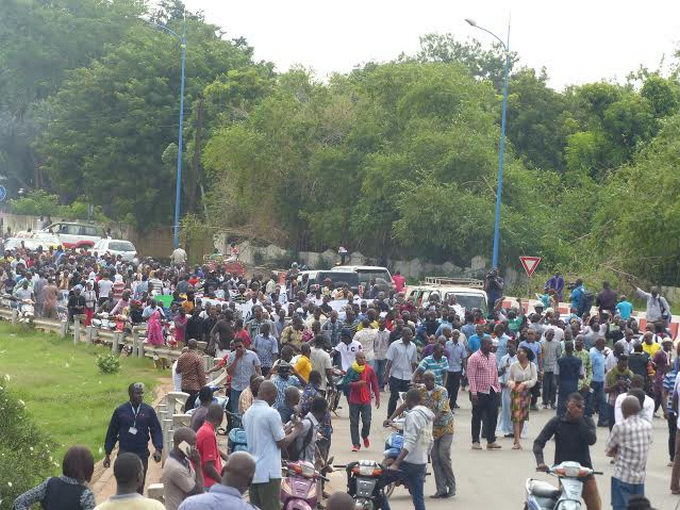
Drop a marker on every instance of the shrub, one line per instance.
(41, 203)
(25, 450)
(108, 363)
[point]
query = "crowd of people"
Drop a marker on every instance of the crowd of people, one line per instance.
(281, 340)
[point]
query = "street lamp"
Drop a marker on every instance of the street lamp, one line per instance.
(506, 47)
(178, 189)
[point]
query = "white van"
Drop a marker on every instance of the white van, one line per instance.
(382, 275)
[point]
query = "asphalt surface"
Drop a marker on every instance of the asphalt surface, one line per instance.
(496, 479)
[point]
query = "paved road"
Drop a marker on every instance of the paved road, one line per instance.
(495, 479)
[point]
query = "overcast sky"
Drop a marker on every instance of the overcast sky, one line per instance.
(577, 41)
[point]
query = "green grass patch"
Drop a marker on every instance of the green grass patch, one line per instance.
(64, 391)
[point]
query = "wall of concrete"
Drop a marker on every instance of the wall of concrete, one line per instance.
(415, 268)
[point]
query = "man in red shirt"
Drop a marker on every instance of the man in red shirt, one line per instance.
(206, 444)
(362, 383)
(399, 281)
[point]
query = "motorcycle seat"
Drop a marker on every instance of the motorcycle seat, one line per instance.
(544, 489)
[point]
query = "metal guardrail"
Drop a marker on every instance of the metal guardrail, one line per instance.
(134, 340)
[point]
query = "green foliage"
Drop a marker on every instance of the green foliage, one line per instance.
(41, 203)
(25, 450)
(640, 211)
(108, 363)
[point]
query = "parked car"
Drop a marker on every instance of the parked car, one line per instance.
(44, 239)
(116, 247)
(382, 275)
(76, 235)
(337, 277)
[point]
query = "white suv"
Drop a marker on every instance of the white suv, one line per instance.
(116, 247)
(76, 235)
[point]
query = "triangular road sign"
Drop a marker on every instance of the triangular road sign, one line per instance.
(530, 264)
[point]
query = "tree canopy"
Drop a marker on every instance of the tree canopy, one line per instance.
(395, 159)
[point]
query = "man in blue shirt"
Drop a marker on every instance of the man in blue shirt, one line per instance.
(597, 359)
(457, 356)
(475, 341)
(237, 475)
(132, 425)
(576, 297)
(624, 308)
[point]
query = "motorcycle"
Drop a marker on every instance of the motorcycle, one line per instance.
(393, 446)
(334, 393)
(236, 438)
(542, 495)
(364, 484)
(301, 488)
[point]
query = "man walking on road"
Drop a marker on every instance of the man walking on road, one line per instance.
(402, 358)
(552, 350)
(190, 366)
(411, 463)
(132, 425)
(484, 391)
(361, 384)
(457, 358)
(629, 443)
(266, 438)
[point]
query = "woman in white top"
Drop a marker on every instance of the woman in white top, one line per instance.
(521, 378)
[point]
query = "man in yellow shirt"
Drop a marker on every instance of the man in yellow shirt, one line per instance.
(303, 366)
(649, 345)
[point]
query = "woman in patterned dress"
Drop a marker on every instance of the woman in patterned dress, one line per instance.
(521, 379)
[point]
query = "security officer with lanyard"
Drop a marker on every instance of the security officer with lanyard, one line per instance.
(132, 425)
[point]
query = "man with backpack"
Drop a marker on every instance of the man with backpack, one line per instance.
(657, 306)
(303, 448)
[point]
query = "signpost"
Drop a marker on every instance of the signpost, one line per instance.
(530, 264)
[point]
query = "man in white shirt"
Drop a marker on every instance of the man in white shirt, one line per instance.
(266, 437)
(321, 361)
(637, 390)
(105, 287)
(347, 348)
(402, 360)
(366, 336)
(411, 464)
(178, 256)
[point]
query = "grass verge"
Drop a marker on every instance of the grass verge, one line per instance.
(63, 390)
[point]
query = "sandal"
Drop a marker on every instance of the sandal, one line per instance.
(517, 447)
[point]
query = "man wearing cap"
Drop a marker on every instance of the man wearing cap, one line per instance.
(132, 425)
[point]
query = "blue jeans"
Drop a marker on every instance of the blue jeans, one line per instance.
(622, 491)
(414, 476)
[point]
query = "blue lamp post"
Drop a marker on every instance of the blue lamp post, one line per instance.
(499, 190)
(178, 189)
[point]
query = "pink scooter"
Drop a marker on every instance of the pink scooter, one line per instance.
(301, 489)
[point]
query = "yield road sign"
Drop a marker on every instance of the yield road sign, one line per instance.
(530, 264)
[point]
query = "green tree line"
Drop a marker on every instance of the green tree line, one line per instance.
(395, 159)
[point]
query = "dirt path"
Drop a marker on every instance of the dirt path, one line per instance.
(103, 483)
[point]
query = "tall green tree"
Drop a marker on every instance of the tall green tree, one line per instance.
(112, 122)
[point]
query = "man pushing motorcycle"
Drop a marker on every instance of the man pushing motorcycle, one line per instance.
(574, 435)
